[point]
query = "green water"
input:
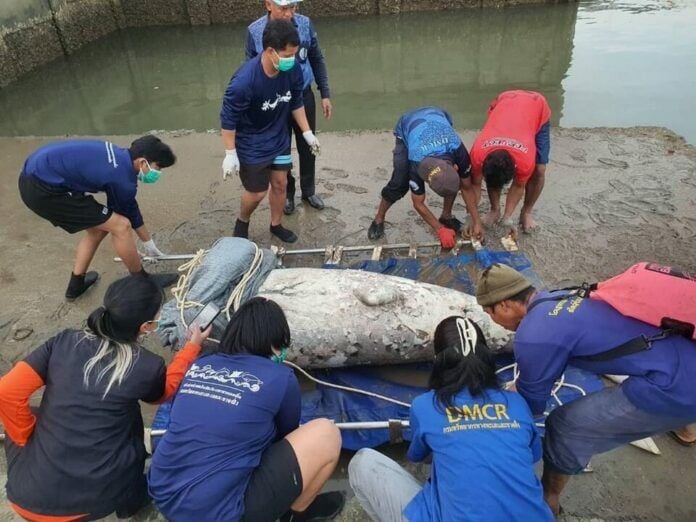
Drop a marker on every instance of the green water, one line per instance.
(598, 63)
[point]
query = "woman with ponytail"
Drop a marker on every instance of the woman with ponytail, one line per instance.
(81, 455)
(482, 441)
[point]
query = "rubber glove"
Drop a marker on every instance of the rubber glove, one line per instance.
(313, 142)
(448, 237)
(150, 249)
(230, 165)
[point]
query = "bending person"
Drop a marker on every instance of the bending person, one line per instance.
(260, 99)
(56, 183)
(514, 144)
(234, 449)
(482, 440)
(429, 150)
(311, 61)
(82, 456)
(554, 329)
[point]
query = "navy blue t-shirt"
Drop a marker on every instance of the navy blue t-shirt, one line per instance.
(89, 166)
(229, 409)
(483, 459)
(258, 108)
(554, 332)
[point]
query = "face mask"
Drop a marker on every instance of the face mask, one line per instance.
(151, 176)
(284, 64)
(280, 358)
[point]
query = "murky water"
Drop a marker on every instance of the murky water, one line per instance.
(599, 63)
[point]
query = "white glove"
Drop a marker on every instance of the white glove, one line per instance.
(151, 249)
(313, 142)
(230, 165)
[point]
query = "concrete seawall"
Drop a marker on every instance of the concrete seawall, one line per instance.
(35, 32)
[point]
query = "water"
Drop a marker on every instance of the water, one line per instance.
(598, 63)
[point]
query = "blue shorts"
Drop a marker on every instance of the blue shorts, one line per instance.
(543, 144)
(597, 423)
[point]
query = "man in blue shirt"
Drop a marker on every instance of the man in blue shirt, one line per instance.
(313, 68)
(257, 105)
(554, 329)
(56, 183)
(428, 150)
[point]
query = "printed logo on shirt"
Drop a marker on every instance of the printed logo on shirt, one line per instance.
(465, 417)
(505, 142)
(110, 156)
(284, 98)
(572, 306)
(434, 135)
(235, 378)
(302, 55)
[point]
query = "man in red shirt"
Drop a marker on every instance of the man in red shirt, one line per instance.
(513, 146)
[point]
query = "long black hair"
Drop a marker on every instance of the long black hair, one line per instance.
(258, 326)
(128, 303)
(462, 361)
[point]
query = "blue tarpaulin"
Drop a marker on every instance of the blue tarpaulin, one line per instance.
(456, 272)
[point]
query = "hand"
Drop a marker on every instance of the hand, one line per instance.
(510, 225)
(196, 336)
(326, 108)
(230, 165)
(447, 237)
(474, 231)
(151, 249)
(312, 141)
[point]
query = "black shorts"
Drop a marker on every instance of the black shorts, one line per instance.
(274, 485)
(257, 177)
(71, 211)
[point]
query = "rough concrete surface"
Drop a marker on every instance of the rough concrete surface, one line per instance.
(612, 197)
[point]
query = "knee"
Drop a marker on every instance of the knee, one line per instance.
(361, 463)
(279, 184)
(392, 195)
(120, 225)
(327, 437)
(256, 197)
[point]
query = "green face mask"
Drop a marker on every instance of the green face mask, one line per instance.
(151, 176)
(284, 64)
(280, 358)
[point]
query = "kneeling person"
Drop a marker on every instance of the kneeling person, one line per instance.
(428, 150)
(56, 183)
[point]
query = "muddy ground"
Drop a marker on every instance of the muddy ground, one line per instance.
(613, 197)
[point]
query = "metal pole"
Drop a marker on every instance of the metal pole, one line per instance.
(311, 251)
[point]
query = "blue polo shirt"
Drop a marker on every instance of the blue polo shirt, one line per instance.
(258, 108)
(309, 55)
(428, 131)
(554, 332)
(483, 459)
(229, 409)
(89, 166)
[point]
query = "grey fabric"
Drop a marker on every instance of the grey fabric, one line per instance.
(213, 281)
(597, 423)
(381, 485)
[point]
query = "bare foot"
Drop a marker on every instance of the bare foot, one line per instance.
(491, 218)
(527, 223)
(686, 434)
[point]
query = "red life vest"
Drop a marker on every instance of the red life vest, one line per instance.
(514, 118)
(655, 294)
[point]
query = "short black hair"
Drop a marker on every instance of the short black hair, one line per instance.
(154, 150)
(258, 326)
(498, 169)
(278, 34)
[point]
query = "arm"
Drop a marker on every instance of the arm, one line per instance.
(16, 388)
(297, 101)
(300, 117)
(316, 60)
(514, 196)
(540, 365)
(468, 191)
(175, 374)
(288, 417)
(424, 211)
(143, 233)
(418, 450)
(228, 139)
(250, 46)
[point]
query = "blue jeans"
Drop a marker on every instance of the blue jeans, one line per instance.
(595, 424)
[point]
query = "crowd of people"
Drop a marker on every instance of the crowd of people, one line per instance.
(234, 448)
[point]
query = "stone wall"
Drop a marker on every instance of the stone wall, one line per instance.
(35, 32)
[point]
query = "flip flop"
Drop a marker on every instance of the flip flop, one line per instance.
(681, 441)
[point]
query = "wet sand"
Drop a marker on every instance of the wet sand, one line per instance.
(612, 197)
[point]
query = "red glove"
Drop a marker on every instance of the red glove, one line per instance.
(448, 237)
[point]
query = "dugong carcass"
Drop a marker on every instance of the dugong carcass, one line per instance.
(351, 317)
